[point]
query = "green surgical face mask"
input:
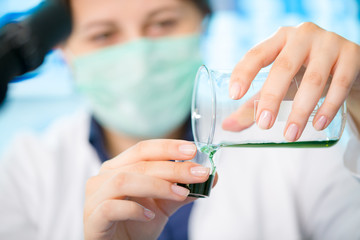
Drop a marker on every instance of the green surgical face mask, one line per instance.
(141, 88)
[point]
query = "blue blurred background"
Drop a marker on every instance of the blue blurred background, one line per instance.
(235, 26)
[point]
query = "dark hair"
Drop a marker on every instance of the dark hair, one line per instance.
(203, 5)
(61, 3)
(65, 2)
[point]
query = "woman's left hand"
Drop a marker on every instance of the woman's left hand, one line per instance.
(323, 53)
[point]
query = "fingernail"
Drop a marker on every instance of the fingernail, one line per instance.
(149, 214)
(265, 119)
(187, 149)
(320, 123)
(235, 91)
(291, 132)
(180, 190)
(200, 171)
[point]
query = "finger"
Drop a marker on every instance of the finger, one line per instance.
(149, 150)
(123, 185)
(256, 58)
(286, 65)
(94, 183)
(242, 118)
(346, 71)
(170, 207)
(184, 172)
(110, 211)
(322, 59)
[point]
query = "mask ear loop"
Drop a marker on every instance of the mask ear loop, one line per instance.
(205, 24)
(70, 53)
(68, 57)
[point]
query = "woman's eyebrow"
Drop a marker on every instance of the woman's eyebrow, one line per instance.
(163, 10)
(96, 24)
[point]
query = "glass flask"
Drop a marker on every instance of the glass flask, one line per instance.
(211, 105)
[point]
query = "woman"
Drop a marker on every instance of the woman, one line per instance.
(135, 61)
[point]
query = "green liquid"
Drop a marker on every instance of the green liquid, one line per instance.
(199, 190)
(309, 144)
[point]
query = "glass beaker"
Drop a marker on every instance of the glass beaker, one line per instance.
(211, 105)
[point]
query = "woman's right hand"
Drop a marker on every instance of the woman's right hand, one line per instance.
(134, 194)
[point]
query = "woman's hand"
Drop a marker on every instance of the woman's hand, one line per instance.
(134, 193)
(323, 53)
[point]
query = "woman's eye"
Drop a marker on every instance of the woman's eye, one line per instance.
(161, 27)
(167, 23)
(102, 37)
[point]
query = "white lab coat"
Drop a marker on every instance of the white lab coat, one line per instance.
(42, 182)
(261, 193)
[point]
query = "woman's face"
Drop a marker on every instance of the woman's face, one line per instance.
(101, 23)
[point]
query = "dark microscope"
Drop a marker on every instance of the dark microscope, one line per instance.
(24, 44)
